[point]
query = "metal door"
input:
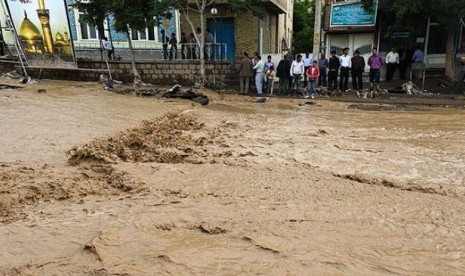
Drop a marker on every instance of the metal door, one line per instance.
(223, 31)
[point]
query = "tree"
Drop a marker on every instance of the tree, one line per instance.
(304, 18)
(94, 13)
(192, 8)
(446, 12)
(134, 15)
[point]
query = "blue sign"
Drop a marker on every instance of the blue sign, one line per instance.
(353, 15)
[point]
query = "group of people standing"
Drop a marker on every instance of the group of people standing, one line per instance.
(325, 72)
(346, 65)
(255, 70)
(288, 70)
(189, 48)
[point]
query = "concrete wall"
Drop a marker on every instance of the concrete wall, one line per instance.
(157, 72)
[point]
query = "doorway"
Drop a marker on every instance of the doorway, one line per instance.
(223, 31)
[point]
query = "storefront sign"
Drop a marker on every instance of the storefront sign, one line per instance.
(400, 35)
(353, 15)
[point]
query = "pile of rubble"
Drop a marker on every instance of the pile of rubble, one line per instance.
(147, 90)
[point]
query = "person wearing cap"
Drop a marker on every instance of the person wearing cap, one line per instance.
(333, 65)
(375, 61)
(358, 66)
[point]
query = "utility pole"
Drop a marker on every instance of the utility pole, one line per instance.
(317, 30)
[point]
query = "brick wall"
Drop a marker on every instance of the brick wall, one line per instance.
(245, 30)
(246, 33)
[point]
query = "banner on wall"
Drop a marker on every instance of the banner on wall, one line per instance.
(353, 14)
(43, 30)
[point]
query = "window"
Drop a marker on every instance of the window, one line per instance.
(147, 34)
(88, 31)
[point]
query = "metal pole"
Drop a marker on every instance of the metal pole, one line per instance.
(426, 53)
(317, 30)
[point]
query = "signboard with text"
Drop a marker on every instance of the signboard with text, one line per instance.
(353, 14)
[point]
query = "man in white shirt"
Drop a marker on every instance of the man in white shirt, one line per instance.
(346, 64)
(392, 60)
(108, 47)
(259, 68)
(297, 69)
(307, 64)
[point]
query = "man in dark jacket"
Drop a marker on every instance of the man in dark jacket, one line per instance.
(333, 66)
(322, 67)
(283, 73)
(245, 73)
(358, 66)
(461, 79)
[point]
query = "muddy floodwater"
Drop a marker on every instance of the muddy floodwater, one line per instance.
(93, 182)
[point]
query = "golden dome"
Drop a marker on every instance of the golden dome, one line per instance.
(59, 37)
(29, 31)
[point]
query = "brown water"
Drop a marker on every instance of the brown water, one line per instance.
(232, 188)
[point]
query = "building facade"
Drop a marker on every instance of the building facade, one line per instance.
(346, 24)
(242, 31)
(233, 33)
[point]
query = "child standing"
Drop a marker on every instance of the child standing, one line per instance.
(312, 74)
(270, 75)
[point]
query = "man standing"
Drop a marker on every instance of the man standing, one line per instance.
(209, 44)
(259, 74)
(346, 64)
(282, 72)
(358, 66)
(307, 63)
(297, 69)
(392, 60)
(404, 56)
(107, 46)
(245, 73)
(183, 46)
(192, 53)
(333, 65)
(164, 41)
(375, 61)
(174, 46)
(461, 79)
(290, 57)
(417, 59)
(322, 67)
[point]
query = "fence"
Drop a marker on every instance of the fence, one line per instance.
(147, 52)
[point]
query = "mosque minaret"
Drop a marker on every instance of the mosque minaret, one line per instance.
(44, 17)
